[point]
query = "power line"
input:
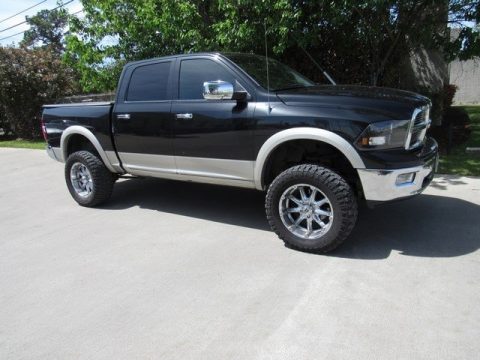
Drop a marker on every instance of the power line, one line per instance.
(13, 26)
(8, 37)
(23, 22)
(20, 12)
(21, 32)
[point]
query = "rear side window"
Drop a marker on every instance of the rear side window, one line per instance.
(193, 73)
(149, 82)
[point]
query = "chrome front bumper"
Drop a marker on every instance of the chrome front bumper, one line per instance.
(381, 185)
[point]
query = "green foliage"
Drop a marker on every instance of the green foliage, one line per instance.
(29, 78)
(47, 29)
(459, 162)
(114, 32)
(360, 42)
(467, 45)
(34, 74)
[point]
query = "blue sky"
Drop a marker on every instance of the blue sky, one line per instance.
(10, 7)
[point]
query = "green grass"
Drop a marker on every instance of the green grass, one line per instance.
(25, 144)
(459, 162)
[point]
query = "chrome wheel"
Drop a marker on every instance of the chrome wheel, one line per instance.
(306, 211)
(81, 179)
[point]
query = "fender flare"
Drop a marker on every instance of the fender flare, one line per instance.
(303, 133)
(80, 130)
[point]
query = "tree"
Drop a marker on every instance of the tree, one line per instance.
(47, 29)
(30, 78)
(360, 42)
(113, 32)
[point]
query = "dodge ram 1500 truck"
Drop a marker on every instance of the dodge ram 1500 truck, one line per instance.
(218, 118)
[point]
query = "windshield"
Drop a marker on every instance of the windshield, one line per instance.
(281, 76)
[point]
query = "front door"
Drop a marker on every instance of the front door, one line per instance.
(213, 138)
(142, 120)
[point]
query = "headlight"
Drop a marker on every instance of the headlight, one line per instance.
(384, 135)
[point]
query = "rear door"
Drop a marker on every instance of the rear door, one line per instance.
(142, 119)
(213, 138)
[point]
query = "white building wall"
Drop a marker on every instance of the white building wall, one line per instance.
(466, 75)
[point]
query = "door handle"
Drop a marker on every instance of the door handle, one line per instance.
(123, 116)
(185, 116)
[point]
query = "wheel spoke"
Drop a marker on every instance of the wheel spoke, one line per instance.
(295, 200)
(322, 212)
(294, 210)
(302, 194)
(318, 221)
(321, 202)
(313, 194)
(309, 226)
(299, 220)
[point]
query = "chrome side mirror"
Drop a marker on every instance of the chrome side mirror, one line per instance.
(217, 90)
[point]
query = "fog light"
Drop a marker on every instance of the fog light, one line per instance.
(406, 178)
(377, 140)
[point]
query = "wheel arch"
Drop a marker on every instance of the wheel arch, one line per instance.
(302, 133)
(74, 131)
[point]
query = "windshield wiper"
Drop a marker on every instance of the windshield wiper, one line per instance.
(292, 87)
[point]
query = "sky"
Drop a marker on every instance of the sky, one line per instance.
(11, 7)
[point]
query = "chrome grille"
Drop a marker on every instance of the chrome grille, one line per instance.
(418, 127)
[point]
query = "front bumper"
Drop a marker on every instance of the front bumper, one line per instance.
(381, 184)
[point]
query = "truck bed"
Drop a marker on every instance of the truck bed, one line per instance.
(95, 116)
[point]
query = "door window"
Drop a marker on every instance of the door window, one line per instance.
(193, 73)
(149, 82)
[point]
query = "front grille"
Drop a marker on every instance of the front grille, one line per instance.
(418, 127)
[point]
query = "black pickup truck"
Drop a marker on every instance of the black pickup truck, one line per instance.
(219, 118)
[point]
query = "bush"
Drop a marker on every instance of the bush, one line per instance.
(29, 78)
(455, 129)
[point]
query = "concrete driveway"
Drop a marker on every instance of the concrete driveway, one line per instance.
(183, 271)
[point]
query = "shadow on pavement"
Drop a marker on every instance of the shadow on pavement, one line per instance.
(235, 206)
(443, 182)
(428, 226)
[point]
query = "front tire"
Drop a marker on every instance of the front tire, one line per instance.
(89, 181)
(311, 208)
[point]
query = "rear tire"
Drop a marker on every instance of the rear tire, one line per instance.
(89, 181)
(311, 208)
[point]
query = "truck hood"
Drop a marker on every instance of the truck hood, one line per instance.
(365, 97)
